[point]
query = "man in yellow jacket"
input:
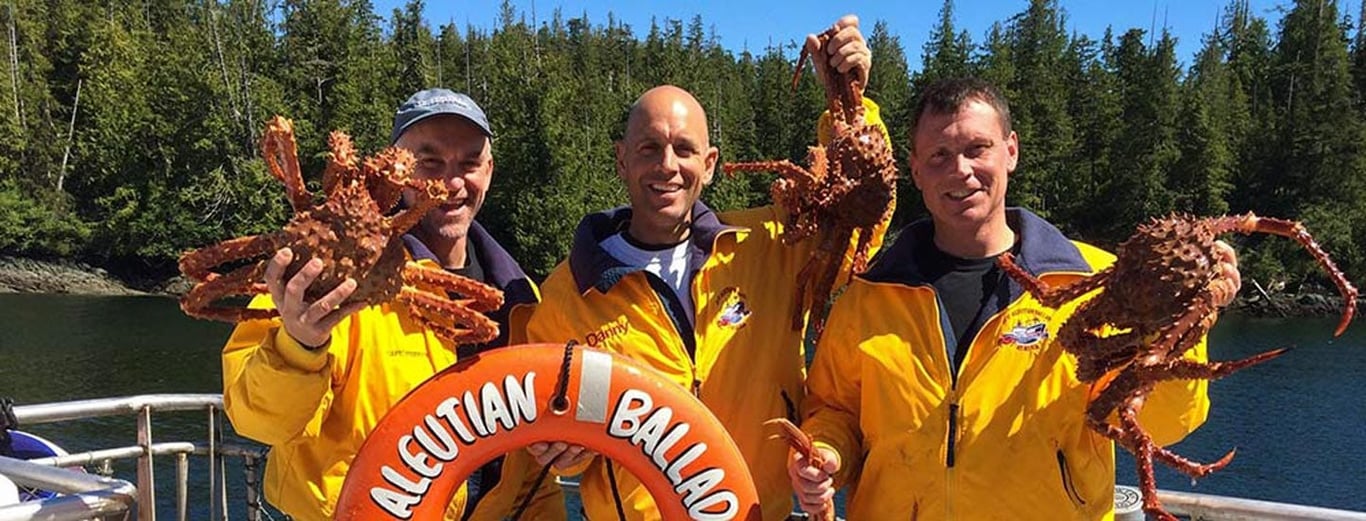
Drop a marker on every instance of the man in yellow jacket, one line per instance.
(935, 391)
(703, 298)
(313, 383)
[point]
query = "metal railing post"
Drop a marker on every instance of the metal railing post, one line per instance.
(182, 484)
(253, 501)
(147, 497)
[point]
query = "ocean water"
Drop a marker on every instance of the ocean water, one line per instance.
(1298, 422)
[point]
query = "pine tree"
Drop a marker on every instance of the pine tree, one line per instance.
(1200, 179)
(1146, 148)
(995, 60)
(946, 50)
(1039, 107)
(1251, 122)
(414, 48)
(1358, 66)
(1093, 103)
(1321, 179)
(36, 218)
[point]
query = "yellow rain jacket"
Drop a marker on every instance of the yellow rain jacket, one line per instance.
(315, 408)
(749, 363)
(1005, 437)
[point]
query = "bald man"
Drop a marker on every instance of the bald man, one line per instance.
(702, 297)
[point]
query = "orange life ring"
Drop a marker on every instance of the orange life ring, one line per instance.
(501, 400)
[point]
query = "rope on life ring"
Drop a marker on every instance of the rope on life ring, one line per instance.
(502, 400)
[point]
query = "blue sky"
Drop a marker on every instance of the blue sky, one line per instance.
(755, 24)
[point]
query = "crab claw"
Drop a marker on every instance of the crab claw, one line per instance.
(792, 434)
(1347, 313)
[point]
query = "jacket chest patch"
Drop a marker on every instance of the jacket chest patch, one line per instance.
(608, 331)
(734, 309)
(1024, 329)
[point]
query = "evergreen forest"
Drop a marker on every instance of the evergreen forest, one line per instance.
(129, 129)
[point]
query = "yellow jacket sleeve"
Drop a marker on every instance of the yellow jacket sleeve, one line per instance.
(272, 386)
(518, 318)
(831, 408)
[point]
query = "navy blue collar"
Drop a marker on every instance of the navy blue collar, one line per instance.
(592, 266)
(1042, 248)
(502, 271)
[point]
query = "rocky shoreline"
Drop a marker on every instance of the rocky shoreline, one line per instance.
(21, 275)
(1290, 305)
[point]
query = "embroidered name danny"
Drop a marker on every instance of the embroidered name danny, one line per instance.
(609, 330)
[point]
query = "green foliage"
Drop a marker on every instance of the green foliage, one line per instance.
(1145, 149)
(32, 227)
(159, 151)
(1093, 100)
(1038, 40)
(1200, 180)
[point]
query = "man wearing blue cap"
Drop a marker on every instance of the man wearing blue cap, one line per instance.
(314, 382)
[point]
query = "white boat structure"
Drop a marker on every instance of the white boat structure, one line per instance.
(81, 495)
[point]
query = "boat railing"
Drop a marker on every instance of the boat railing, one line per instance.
(1205, 506)
(90, 496)
(93, 496)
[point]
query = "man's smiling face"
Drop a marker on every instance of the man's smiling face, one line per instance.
(961, 163)
(665, 160)
(455, 151)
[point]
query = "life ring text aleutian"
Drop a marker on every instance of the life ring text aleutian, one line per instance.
(501, 401)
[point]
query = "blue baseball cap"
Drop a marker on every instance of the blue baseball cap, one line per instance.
(434, 102)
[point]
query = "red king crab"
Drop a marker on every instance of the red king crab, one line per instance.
(352, 236)
(1158, 302)
(849, 185)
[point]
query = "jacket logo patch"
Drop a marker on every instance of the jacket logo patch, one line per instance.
(608, 331)
(735, 312)
(1024, 329)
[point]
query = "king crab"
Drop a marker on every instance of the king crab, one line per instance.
(1158, 302)
(849, 185)
(351, 235)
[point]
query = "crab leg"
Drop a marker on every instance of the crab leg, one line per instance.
(1051, 296)
(860, 261)
(197, 264)
(815, 280)
(430, 194)
(430, 310)
(478, 296)
(341, 161)
(1147, 483)
(282, 159)
(802, 443)
(1184, 369)
(388, 173)
(242, 281)
(1249, 223)
(784, 168)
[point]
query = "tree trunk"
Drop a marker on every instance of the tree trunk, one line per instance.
(223, 64)
(14, 68)
(70, 135)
